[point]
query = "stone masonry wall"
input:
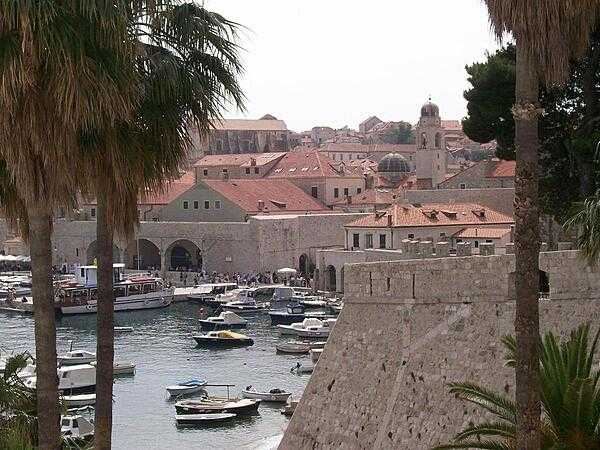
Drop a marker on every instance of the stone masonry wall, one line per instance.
(410, 327)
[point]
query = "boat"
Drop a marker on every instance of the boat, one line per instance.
(309, 328)
(76, 357)
(241, 301)
(123, 329)
(133, 293)
(289, 407)
(206, 293)
(22, 304)
(315, 353)
(76, 428)
(71, 401)
(121, 368)
(302, 369)
(297, 348)
(74, 380)
(224, 338)
(245, 307)
(216, 405)
(294, 313)
(226, 320)
(186, 388)
(199, 419)
(274, 395)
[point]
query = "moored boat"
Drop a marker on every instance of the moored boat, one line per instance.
(222, 339)
(210, 405)
(75, 357)
(289, 407)
(206, 293)
(186, 388)
(308, 328)
(73, 380)
(203, 419)
(273, 395)
(227, 320)
(74, 401)
(76, 429)
(297, 348)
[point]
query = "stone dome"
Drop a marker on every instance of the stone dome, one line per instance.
(430, 110)
(393, 163)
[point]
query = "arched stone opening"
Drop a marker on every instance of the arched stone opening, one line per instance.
(544, 284)
(184, 255)
(147, 255)
(91, 253)
(331, 279)
(303, 264)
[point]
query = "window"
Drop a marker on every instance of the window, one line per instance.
(217, 204)
(346, 193)
(247, 170)
(206, 204)
(443, 235)
(186, 204)
(196, 205)
(256, 170)
(411, 236)
(82, 273)
(356, 240)
(93, 212)
(205, 172)
(489, 241)
(336, 192)
(77, 252)
(368, 241)
(476, 244)
(382, 241)
(463, 186)
(358, 190)
(225, 170)
(314, 191)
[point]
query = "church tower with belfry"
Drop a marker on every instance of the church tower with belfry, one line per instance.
(431, 148)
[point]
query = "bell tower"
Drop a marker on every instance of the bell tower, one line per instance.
(431, 148)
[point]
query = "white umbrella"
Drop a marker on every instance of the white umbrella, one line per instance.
(287, 271)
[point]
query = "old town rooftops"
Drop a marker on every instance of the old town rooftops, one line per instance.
(266, 196)
(433, 214)
(241, 160)
(484, 233)
(250, 125)
(311, 164)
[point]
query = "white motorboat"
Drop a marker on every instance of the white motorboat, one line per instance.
(186, 388)
(274, 395)
(121, 368)
(199, 419)
(134, 293)
(244, 307)
(75, 401)
(241, 301)
(307, 328)
(76, 428)
(76, 357)
(227, 320)
(297, 348)
(315, 353)
(207, 293)
(80, 379)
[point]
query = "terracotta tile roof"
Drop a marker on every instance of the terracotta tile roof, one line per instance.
(311, 163)
(454, 125)
(484, 233)
(277, 196)
(434, 214)
(250, 125)
(171, 191)
(244, 159)
(371, 197)
(500, 169)
(369, 148)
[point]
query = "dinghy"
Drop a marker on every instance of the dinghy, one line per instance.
(203, 419)
(274, 395)
(297, 348)
(215, 405)
(186, 388)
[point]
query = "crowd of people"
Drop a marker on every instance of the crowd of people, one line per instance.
(188, 278)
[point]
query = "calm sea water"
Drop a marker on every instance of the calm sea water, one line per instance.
(163, 350)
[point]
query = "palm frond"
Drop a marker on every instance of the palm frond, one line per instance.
(584, 221)
(487, 399)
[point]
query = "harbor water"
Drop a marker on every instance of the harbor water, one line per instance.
(162, 347)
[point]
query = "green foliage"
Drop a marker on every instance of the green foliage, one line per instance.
(570, 395)
(584, 221)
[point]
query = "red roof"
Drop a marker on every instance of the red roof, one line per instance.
(485, 233)
(369, 148)
(266, 196)
(501, 168)
(434, 214)
(243, 159)
(311, 164)
(170, 192)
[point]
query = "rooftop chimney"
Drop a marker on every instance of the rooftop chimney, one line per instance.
(389, 220)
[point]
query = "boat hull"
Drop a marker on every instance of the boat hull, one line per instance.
(134, 304)
(247, 408)
(267, 396)
(207, 342)
(283, 318)
(72, 401)
(213, 326)
(295, 349)
(176, 391)
(203, 419)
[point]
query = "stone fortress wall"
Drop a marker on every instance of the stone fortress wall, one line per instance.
(410, 327)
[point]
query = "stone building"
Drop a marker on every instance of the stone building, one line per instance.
(431, 152)
(233, 136)
(367, 125)
(246, 166)
(490, 173)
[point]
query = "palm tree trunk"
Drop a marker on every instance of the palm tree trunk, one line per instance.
(45, 332)
(105, 333)
(527, 253)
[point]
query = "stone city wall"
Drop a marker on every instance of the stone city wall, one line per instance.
(410, 327)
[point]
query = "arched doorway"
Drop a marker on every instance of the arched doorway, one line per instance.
(147, 255)
(91, 253)
(331, 279)
(303, 264)
(544, 285)
(184, 255)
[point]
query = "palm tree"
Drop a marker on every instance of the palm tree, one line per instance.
(570, 395)
(549, 35)
(60, 75)
(584, 220)
(188, 68)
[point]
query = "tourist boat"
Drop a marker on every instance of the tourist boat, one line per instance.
(201, 419)
(76, 428)
(134, 293)
(297, 348)
(217, 405)
(289, 407)
(302, 369)
(294, 313)
(71, 401)
(310, 328)
(222, 339)
(315, 353)
(226, 320)
(76, 357)
(186, 388)
(74, 380)
(206, 293)
(274, 395)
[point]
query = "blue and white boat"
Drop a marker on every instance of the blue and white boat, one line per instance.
(186, 388)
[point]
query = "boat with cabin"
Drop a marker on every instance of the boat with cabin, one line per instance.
(76, 429)
(131, 293)
(72, 380)
(294, 313)
(227, 320)
(75, 357)
(308, 328)
(222, 339)
(206, 293)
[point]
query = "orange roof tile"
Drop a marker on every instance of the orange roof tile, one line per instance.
(369, 148)
(311, 163)
(501, 168)
(277, 196)
(434, 214)
(242, 159)
(485, 233)
(171, 190)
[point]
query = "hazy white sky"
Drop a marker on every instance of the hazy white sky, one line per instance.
(336, 62)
